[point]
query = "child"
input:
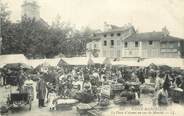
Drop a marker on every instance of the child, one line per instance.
(51, 97)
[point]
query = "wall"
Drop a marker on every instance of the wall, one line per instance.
(150, 50)
(155, 50)
(170, 49)
(131, 50)
(116, 50)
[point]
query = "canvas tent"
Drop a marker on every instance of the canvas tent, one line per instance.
(107, 61)
(172, 62)
(99, 60)
(128, 63)
(12, 58)
(78, 61)
(37, 62)
(62, 63)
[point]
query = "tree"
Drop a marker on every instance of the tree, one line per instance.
(4, 21)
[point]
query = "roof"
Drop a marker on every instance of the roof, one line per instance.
(43, 23)
(117, 29)
(151, 36)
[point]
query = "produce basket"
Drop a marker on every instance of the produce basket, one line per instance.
(65, 104)
(177, 95)
(120, 100)
(117, 86)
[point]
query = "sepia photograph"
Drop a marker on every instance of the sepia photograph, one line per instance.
(91, 58)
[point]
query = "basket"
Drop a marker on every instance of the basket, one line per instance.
(83, 108)
(121, 100)
(177, 95)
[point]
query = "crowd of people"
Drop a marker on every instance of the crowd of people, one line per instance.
(85, 83)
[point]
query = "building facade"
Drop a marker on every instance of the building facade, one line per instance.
(153, 45)
(124, 42)
(109, 42)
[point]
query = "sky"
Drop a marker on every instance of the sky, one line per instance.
(145, 15)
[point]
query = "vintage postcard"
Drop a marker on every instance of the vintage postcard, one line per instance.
(91, 57)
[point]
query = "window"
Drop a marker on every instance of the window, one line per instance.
(105, 35)
(136, 44)
(150, 42)
(105, 43)
(112, 42)
(126, 44)
(118, 34)
(112, 34)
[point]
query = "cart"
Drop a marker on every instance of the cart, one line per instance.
(19, 100)
(22, 98)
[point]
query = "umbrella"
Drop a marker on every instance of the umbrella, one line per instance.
(17, 66)
(12, 66)
(164, 68)
(152, 65)
(25, 66)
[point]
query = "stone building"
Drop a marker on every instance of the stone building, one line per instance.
(109, 42)
(125, 42)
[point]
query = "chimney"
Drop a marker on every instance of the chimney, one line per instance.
(165, 31)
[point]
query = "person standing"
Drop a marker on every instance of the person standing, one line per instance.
(41, 92)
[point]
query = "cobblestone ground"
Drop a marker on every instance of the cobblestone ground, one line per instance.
(145, 108)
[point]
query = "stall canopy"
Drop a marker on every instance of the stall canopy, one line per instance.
(52, 62)
(172, 62)
(128, 63)
(62, 63)
(99, 60)
(37, 62)
(78, 61)
(107, 61)
(12, 58)
(17, 66)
